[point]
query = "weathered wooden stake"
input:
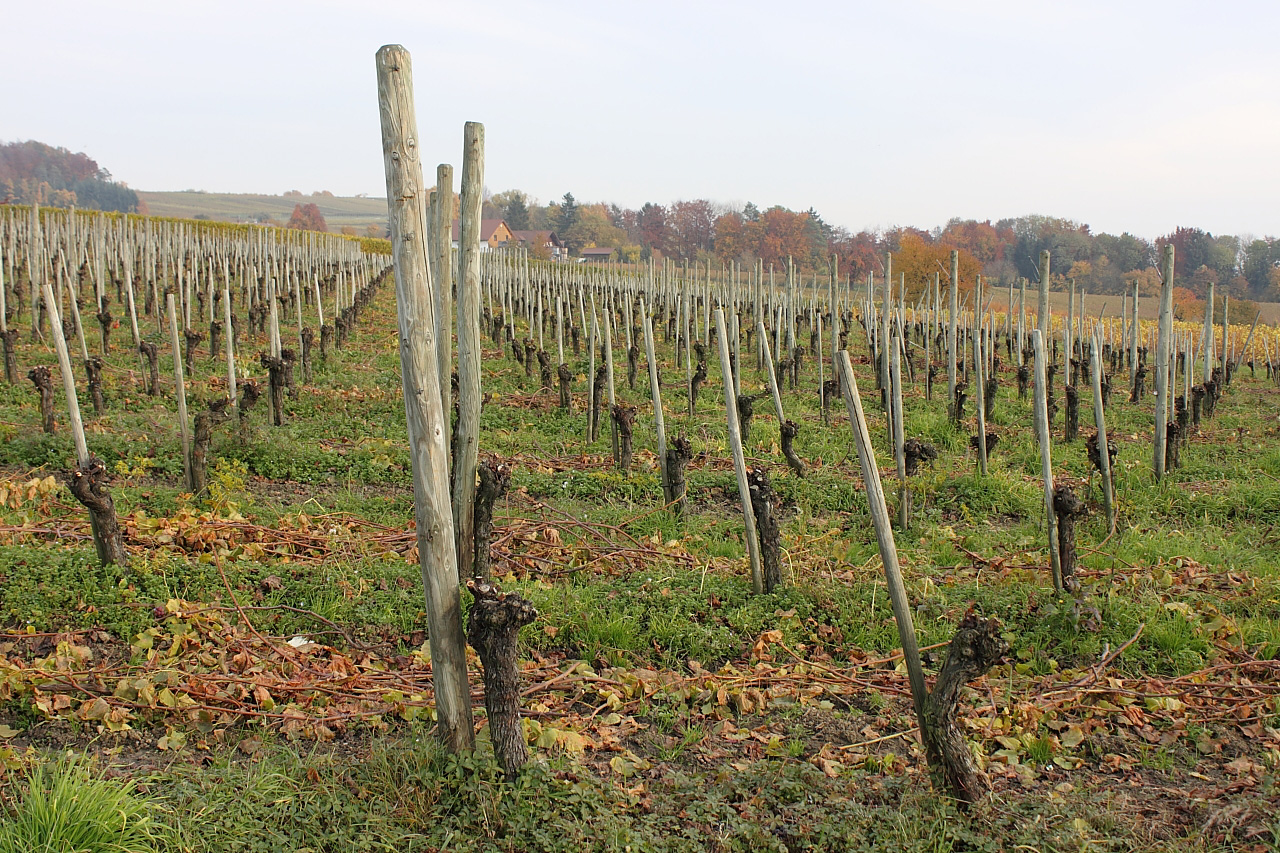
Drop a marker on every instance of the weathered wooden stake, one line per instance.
(975, 648)
(424, 410)
(467, 440)
(659, 420)
(1041, 406)
(1163, 347)
(739, 461)
(1100, 421)
(88, 482)
(180, 388)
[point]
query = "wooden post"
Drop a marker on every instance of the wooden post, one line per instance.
(1042, 307)
(773, 379)
(424, 412)
(608, 362)
(1206, 339)
(979, 387)
(68, 377)
(1041, 405)
(467, 441)
(659, 421)
(88, 481)
(1133, 340)
(181, 390)
(1247, 341)
(884, 535)
(951, 329)
(739, 461)
(1100, 421)
(896, 434)
(230, 346)
(1163, 346)
(442, 280)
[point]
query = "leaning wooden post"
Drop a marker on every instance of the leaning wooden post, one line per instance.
(1100, 421)
(467, 440)
(773, 379)
(424, 411)
(884, 536)
(1041, 406)
(1042, 306)
(979, 381)
(899, 439)
(608, 362)
(442, 270)
(1163, 345)
(88, 481)
(659, 421)
(739, 461)
(1206, 338)
(952, 313)
(1247, 341)
(8, 337)
(230, 346)
(181, 390)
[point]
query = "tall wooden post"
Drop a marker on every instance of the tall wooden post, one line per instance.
(954, 310)
(1163, 346)
(1100, 421)
(467, 441)
(884, 535)
(659, 420)
(424, 412)
(979, 388)
(230, 345)
(896, 434)
(739, 460)
(181, 391)
(1206, 339)
(442, 279)
(1041, 405)
(1042, 307)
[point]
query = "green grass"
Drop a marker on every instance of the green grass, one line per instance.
(973, 540)
(66, 807)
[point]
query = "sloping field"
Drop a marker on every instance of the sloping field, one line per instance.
(338, 211)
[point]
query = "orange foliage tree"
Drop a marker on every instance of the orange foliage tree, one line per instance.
(919, 260)
(307, 217)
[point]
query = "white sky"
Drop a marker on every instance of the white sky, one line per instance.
(1137, 116)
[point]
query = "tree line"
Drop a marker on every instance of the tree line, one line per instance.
(35, 173)
(701, 230)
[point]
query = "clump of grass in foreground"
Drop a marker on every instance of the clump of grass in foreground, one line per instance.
(66, 808)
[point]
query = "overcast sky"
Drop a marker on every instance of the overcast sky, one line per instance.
(1137, 116)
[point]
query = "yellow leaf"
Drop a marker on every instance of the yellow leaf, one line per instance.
(572, 743)
(95, 709)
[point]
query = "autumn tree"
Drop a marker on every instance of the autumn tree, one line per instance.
(1261, 268)
(651, 225)
(692, 227)
(784, 234)
(919, 260)
(512, 206)
(35, 173)
(858, 253)
(307, 217)
(593, 228)
(563, 216)
(1195, 248)
(732, 240)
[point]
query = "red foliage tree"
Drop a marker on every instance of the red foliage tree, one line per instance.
(307, 217)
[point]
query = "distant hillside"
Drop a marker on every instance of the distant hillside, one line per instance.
(35, 173)
(339, 212)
